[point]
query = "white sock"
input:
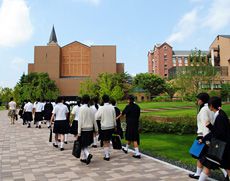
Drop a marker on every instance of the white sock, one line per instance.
(56, 142)
(86, 151)
(62, 145)
(198, 171)
(94, 140)
(203, 177)
(137, 151)
(39, 123)
(83, 154)
(127, 147)
(48, 123)
(66, 137)
(106, 150)
(224, 172)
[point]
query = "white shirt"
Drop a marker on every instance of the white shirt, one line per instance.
(203, 117)
(12, 105)
(107, 116)
(75, 112)
(86, 121)
(39, 107)
(60, 111)
(94, 109)
(28, 107)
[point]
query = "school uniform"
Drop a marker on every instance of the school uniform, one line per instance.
(74, 126)
(86, 125)
(61, 125)
(28, 112)
(119, 129)
(38, 117)
(107, 116)
(132, 112)
(220, 130)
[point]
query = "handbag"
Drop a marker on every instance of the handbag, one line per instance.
(216, 151)
(116, 142)
(76, 149)
(50, 138)
(196, 149)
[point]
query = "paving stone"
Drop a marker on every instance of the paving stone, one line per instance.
(26, 155)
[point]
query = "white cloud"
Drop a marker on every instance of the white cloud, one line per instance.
(18, 64)
(15, 23)
(93, 2)
(218, 15)
(186, 26)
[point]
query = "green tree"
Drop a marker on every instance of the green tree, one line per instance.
(225, 92)
(154, 84)
(89, 87)
(35, 85)
(170, 89)
(5, 94)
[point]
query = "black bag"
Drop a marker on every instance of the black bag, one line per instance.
(116, 141)
(50, 138)
(76, 149)
(216, 151)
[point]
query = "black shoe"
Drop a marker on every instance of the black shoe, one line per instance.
(192, 175)
(65, 142)
(39, 127)
(56, 146)
(107, 158)
(62, 149)
(49, 127)
(125, 151)
(226, 178)
(94, 146)
(89, 159)
(137, 156)
(83, 160)
(36, 127)
(28, 126)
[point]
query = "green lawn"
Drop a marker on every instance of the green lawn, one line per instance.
(154, 105)
(172, 113)
(2, 108)
(171, 147)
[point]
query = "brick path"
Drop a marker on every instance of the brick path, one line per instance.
(26, 154)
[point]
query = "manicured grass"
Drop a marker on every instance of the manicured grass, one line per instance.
(226, 108)
(155, 105)
(168, 146)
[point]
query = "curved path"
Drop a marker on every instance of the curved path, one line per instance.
(26, 155)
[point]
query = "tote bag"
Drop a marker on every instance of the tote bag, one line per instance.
(216, 151)
(76, 149)
(196, 149)
(116, 141)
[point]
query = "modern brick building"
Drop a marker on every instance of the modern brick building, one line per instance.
(73, 63)
(162, 58)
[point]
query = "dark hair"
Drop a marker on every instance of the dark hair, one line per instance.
(11, 99)
(96, 100)
(85, 99)
(79, 101)
(215, 102)
(60, 99)
(113, 101)
(105, 98)
(204, 97)
(131, 98)
(38, 99)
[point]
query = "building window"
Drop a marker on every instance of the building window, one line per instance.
(174, 61)
(186, 60)
(180, 61)
(166, 75)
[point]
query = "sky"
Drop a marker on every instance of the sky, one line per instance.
(134, 26)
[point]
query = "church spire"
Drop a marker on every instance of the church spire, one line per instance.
(53, 38)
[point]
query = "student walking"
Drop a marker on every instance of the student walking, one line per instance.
(107, 115)
(75, 113)
(12, 110)
(221, 131)
(28, 109)
(132, 113)
(86, 126)
(95, 108)
(48, 108)
(204, 115)
(61, 125)
(38, 113)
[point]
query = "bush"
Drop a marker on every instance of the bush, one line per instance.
(165, 98)
(179, 125)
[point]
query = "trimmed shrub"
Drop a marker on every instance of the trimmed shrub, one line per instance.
(178, 125)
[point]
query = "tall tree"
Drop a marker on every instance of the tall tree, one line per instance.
(154, 84)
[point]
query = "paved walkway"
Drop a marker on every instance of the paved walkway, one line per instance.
(26, 154)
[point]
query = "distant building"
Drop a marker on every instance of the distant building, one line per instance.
(73, 63)
(162, 58)
(219, 53)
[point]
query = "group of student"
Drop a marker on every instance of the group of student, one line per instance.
(93, 122)
(212, 122)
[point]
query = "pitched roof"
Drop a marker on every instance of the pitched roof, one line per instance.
(53, 37)
(225, 36)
